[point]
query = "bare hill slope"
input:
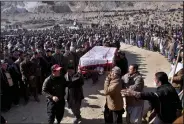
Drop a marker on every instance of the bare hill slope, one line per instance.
(61, 7)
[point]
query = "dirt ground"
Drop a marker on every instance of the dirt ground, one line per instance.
(93, 104)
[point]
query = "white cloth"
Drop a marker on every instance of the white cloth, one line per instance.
(134, 114)
(98, 55)
(178, 68)
(161, 45)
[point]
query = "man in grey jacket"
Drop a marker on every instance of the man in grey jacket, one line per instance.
(134, 81)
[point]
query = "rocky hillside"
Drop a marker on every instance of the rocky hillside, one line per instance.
(61, 7)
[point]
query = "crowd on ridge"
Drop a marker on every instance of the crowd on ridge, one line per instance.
(28, 51)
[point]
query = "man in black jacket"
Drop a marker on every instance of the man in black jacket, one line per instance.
(5, 88)
(122, 62)
(15, 75)
(165, 100)
(75, 92)
(54, 89)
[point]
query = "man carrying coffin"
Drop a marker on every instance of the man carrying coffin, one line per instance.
(75, 92)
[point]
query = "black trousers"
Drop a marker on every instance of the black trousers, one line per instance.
(55, 110)
(16, 92)
(33, 91)
(94, 76)
(113, 117)
(24, 90)
(6, 100)
(117, 117)
(39, 82)
(75, 107)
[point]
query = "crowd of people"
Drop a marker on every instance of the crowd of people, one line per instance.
(33, 59)
(165, 105)
(165, 41)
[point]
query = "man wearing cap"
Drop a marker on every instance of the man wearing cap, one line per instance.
(54, 89)
(75, 92)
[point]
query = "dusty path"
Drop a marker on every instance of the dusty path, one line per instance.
(92, 105)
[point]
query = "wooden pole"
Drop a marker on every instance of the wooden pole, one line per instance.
(180, 93)
(176, 65)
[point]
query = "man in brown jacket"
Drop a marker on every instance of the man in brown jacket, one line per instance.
(112, 89)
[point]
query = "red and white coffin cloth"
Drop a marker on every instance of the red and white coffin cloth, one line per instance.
(98, 56)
